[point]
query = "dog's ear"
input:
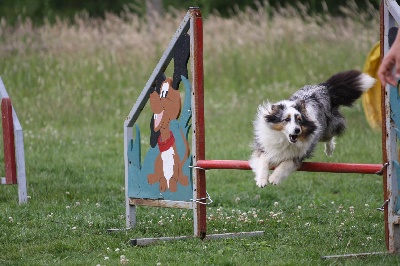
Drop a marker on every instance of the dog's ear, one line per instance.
(301, 106)
(275, 115)
(153, 134)
(277, 108)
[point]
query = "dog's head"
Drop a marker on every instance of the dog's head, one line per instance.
(166, 105)
(291, 119)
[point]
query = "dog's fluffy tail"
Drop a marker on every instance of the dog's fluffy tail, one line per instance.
(346, 87)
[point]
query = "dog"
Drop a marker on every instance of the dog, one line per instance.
(166, 107)
(287, 132)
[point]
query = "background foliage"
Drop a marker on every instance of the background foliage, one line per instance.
(40, 10)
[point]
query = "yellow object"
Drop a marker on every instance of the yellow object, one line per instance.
(371, 100)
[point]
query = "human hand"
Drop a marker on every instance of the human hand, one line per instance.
(390, 61)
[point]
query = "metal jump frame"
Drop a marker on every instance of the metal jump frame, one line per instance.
(390, 11)
(13, 142)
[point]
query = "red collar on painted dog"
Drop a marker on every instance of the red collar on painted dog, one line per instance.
(163, 146)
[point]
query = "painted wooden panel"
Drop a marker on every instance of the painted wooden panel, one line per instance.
(165, 172)
(395, 116)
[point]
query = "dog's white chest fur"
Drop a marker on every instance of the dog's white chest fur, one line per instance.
(168, 163)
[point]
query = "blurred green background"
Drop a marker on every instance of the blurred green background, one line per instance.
(41, 10)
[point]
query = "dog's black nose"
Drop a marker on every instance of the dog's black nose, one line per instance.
(297, 130)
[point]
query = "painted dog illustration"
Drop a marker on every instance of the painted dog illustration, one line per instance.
(165, 103)
(166, 107)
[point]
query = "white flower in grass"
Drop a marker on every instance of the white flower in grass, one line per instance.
(106, 258)
(275, 215)
(123, 260)
(73, 228)
(98, 205)
(10, 219)
(299, 207)
(117, 250)
(276, 204)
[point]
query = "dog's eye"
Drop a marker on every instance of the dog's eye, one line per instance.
(287, 119)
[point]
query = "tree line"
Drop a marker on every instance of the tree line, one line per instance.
(40, 10)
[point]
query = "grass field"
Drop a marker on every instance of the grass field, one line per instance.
(72, 84)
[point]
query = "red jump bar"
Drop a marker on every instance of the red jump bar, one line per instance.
(306, 166)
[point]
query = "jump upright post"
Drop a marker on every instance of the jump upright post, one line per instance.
(390, 19)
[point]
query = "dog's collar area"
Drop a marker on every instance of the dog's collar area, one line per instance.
(168, 143)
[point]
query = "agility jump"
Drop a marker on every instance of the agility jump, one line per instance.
(13, 144)
(182, 183)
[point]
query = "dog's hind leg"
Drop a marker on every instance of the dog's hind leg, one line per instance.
(260, 166)
(330, 147)
(283, 170)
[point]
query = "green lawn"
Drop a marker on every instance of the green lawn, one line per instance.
(72, 86)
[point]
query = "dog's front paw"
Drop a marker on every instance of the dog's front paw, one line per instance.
(330, 147)
(275, 180)
(262, 182)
